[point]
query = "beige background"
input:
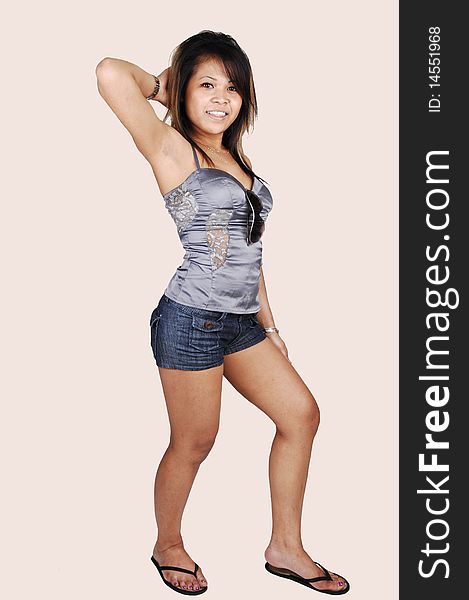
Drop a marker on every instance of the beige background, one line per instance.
(88, 248)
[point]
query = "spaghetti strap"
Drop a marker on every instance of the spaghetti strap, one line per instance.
(196, 158)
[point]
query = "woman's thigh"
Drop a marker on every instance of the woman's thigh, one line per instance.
(265, 377)
(193, 401)
(189, 357)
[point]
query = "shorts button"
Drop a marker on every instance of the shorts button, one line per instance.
(208, 325)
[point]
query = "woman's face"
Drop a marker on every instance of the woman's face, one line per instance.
(209, 90)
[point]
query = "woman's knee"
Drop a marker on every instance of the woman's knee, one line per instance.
(192, 447)
(316, 415)
(309, 414)
(303, 416)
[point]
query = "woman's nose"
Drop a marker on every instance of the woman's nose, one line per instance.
(220, 97)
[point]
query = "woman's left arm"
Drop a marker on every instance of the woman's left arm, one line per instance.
(266, 319)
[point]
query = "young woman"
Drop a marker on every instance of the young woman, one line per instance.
(214, 318)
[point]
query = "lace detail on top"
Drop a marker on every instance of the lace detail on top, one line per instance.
(182, 206)
(218, 236)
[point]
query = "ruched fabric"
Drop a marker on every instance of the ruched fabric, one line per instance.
(220, 271)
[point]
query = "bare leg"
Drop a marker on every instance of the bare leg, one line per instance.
(193, 400)
(268, 380)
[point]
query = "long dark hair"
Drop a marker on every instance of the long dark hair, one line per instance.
(185, 58)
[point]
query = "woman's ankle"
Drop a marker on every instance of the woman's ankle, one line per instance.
(164, 544)
(283, 544)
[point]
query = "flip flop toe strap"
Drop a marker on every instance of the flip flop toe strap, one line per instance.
(326, 577)
(181, 569)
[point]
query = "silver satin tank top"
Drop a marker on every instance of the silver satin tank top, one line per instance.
(220, 271)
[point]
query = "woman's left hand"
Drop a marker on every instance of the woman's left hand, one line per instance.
(277, 341)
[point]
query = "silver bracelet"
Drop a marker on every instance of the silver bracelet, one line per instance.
(270, 329)
(156, 88)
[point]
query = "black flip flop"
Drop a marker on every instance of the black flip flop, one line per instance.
(173, 587)
(295, 577)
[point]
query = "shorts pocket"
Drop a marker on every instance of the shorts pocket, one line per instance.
(154, 321)
(253, 320)
(204, 333)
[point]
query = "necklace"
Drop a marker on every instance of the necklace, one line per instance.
(219, 152)
(214, 149)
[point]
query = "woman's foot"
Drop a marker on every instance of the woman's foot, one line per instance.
(296, 559)
(176, 556)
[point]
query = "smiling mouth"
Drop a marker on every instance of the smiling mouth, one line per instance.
(217, 114)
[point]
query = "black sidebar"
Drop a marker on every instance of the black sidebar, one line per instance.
(434, 269)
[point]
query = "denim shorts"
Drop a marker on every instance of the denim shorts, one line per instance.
(184, 337)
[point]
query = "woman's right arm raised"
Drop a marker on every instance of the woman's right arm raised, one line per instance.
(124, 87)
